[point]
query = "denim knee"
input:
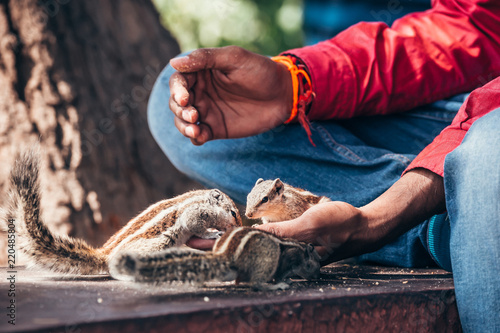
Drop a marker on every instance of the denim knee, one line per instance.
(472, 176)
(479, 150)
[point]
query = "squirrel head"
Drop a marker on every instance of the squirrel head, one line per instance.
(265, 197)
(220, 199)
(298, 259)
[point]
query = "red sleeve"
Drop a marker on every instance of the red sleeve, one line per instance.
(373, 69)
(480, 102)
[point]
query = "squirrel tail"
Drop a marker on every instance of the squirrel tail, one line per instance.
(32, 237)
(177, 264)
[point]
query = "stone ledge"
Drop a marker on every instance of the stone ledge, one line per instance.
(346, 298)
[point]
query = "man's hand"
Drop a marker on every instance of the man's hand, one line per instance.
(228, 93)
(337, 230)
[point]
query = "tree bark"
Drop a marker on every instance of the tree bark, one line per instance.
(76, 75)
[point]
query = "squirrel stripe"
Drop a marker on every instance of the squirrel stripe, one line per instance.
(112, 242)
(243, 243)
(175, 264)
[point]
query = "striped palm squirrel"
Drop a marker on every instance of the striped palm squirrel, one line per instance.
(165, 224)
(275, 201)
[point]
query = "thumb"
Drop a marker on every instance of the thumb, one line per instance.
(223, 59)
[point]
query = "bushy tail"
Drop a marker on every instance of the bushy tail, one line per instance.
(171, 265)
(33, 238)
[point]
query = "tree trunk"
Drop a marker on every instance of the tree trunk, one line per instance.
(76, 75)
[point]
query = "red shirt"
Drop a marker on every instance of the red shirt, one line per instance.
(373, 69)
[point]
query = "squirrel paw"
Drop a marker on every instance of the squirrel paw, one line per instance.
(212, 234)
(271, 286)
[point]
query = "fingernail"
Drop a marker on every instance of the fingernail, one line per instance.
(182, 100)
(193, 116)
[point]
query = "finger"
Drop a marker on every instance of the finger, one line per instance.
(180, 84)
(224, 59)
(188, 113)
(201, 244)
(204, 135)
(285, 229)
(191, 131)
(323, 252)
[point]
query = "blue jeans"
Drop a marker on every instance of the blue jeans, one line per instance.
(354, 161)
(472, 186)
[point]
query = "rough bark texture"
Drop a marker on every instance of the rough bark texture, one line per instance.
(77, 76)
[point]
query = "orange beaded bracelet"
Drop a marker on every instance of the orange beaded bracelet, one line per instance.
(301, 99)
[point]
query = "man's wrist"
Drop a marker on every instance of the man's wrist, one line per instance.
(418, 195)
(286, 91)
(378, 224)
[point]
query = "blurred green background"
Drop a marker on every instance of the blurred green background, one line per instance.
(263, 26)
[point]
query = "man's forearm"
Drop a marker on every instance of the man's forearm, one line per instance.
(416, 196)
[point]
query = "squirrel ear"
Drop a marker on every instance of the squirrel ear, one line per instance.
(215, 194)
(278, 186)
(260, 180)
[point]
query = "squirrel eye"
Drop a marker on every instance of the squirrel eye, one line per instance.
(265, 199)
(233, 213)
